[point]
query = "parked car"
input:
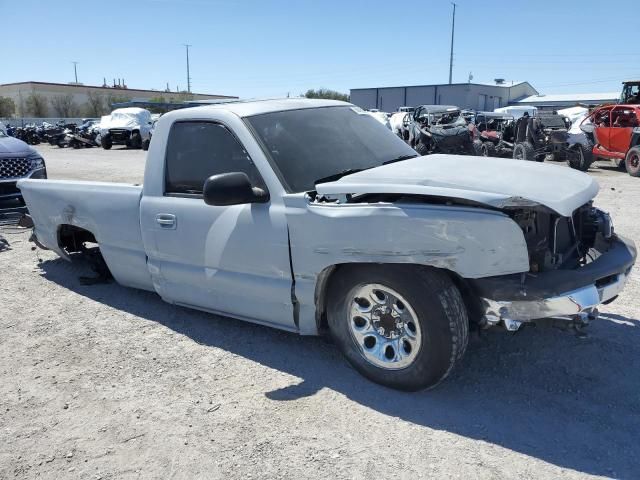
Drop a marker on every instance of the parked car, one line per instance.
(614, 134)
(493, 134)
(439, 129)
(125, 126)
(307, 216)
(17, 161)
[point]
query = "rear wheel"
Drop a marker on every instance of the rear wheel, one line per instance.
(632, 162)
(401, 326)
(422, 149)
(524, 151)
(145, 144)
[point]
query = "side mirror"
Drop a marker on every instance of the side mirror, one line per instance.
(232, 189)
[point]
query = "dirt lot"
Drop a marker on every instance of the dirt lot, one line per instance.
(107, 382)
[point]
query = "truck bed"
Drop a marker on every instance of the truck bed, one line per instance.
(110, 211)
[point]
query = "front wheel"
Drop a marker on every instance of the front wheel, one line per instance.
(524, 151)
(401, 326)
(632, 162)
(580, 157)
(106, 142)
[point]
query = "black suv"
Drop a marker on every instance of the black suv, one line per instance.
(17, 160)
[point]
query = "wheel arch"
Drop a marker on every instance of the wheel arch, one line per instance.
(323, 280)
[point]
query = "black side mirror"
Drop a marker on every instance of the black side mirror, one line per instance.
(232, 189)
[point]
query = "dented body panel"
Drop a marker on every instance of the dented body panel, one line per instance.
(495, 182)
(471, 242)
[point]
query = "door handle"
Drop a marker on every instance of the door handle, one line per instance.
(166, 220)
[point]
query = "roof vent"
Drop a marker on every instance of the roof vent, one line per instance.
(499, 81)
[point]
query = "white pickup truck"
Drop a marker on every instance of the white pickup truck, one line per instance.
(309, 216)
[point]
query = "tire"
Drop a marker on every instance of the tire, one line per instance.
(524, 151)
(632, 161)
(422, 149)
(136, 140)
(106, 142)
(488, 149)
(581, 157)
(430, 302)
(145, 144)
(477, 148)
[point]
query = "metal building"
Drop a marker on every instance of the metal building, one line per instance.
(475, 96)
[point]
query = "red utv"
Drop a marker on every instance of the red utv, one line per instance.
(614, 131)
(493, 134)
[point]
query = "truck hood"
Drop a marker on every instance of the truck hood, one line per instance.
(10, 146)
(496, 182)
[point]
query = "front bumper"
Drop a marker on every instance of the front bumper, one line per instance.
(558, 293)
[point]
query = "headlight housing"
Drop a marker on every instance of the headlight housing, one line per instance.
(37, 162)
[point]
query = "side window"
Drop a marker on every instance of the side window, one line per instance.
(197, 150)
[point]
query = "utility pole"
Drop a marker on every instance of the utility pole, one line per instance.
(188, 75)
(453, 29)
(75, 70)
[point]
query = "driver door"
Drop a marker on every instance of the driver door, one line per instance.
(602, 127)
(232, 260)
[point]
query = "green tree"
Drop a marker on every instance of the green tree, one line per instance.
(326, 93)
(64, 106)
(7, 107)
(111, 99)
(158, 109)
(36, 105)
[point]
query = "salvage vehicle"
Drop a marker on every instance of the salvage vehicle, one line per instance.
(439, 129)
(125, 126)
(493, 134)
(614, 134)
(308, 216)
(542, 135)
(17, 161)
(630, 92)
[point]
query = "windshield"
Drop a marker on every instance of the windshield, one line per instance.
(447, 118)
(310, 144)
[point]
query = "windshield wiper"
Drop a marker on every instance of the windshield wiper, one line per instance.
(400, 158)
(339, 175)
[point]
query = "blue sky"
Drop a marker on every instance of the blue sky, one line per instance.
(255, 48)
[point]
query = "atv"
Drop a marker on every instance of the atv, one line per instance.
(439, 129)
(542, 135)
(493, 134)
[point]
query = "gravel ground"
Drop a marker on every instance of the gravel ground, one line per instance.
(107, 382)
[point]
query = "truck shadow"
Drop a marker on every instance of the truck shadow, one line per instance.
(570, 401)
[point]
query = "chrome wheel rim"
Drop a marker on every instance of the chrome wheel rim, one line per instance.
(384, 326)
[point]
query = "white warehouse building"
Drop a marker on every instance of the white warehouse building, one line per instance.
(473, 96)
